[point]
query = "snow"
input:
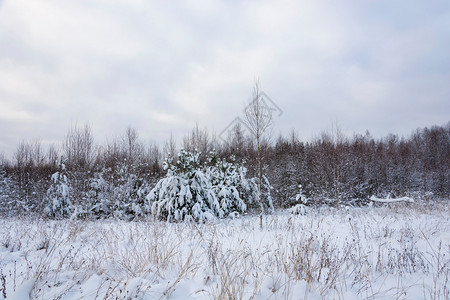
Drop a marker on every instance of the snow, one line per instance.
(391, 200)
(402, 251)
(299, 209)
(24, 291)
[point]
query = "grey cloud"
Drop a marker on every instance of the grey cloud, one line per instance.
(163, 66)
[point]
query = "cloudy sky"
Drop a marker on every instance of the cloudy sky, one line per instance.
(163, 66)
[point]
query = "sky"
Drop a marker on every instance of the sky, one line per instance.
(162, 67)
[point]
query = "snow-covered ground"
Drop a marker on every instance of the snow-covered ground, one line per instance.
(358, 253)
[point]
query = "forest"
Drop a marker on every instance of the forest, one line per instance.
(331, 169)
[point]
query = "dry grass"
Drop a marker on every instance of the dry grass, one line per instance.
(368, 252)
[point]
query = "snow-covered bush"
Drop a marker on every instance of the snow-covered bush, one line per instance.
(59, 204)
(300, 207)
(300, 197)
(199, 192)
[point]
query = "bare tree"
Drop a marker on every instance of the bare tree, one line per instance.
(170, 146)
(237, 140)
(133, 149)
(24, 166)
(337, 139)
(23, 155)
(37, 153)
(258, 117)
(78, 147)
(153, 157)
(52, 155)
(197, 140)
(4, 162)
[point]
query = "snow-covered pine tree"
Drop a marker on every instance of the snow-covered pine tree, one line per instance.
(185, 192)
(227, 182)
(99, 204)
(59, 204)
(199, 192)
(119, 201)
(248, 189)
(124, 200)
(134, 192)
(301, 199)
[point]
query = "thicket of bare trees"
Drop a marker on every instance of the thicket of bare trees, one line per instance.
(332, 168)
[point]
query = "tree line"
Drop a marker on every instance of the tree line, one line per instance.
(332, 168)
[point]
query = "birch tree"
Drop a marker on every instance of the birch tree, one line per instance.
(258, 117)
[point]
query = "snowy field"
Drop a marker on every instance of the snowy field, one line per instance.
(397, 252)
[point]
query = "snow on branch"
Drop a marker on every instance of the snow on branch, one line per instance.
(391, 200)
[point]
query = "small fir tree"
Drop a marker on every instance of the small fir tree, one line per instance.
(59, 204)
(301, 199)
(227, 184)
(99, 205)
